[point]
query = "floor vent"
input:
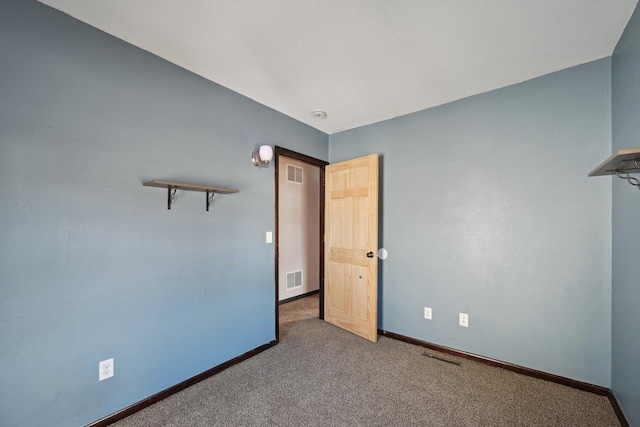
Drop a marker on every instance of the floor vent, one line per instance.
(294, 174)
(294, 280)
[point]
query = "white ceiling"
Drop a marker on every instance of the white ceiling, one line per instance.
(362, 61)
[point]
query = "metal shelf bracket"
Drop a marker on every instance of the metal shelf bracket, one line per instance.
(171, 195)
(210, 198)
(624, 174)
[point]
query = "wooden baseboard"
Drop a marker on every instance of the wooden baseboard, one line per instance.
(592, 388)
(618, 410)
(129, 410)
(297, 297)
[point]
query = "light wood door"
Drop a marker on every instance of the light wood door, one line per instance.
(351, 241)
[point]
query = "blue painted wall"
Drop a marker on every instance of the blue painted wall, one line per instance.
(625, 370)
(485, 205)
(487, 210)
(92, 264)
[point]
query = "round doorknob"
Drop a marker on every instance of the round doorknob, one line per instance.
(370, 255)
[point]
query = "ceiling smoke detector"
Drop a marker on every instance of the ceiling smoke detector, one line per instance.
(319, 114)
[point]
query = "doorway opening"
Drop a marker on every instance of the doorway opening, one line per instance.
(299, 236)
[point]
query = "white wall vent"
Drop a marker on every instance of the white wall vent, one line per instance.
(294, 174)
(294, 279)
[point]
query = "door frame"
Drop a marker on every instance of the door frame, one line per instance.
(279, 151)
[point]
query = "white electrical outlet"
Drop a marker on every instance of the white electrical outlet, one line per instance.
(105, 369)
(464, 320)
(269, 237)
(427, 313)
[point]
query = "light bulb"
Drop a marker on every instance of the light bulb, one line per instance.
(266, 153)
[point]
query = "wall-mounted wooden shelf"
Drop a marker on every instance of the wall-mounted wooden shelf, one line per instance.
(621, 164)
(622, 161)
(172, 186)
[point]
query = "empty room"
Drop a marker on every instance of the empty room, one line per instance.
(256, 213)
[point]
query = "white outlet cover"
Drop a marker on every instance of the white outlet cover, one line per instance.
(105, 369)
(269, 237)
(427, 313)
(464, 320)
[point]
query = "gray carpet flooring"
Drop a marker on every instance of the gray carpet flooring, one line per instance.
(320, 375)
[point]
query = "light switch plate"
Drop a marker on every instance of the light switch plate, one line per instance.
(269, 237)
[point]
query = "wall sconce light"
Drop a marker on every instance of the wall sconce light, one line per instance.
(262, 156)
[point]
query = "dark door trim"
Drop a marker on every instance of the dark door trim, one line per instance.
(279, 151)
